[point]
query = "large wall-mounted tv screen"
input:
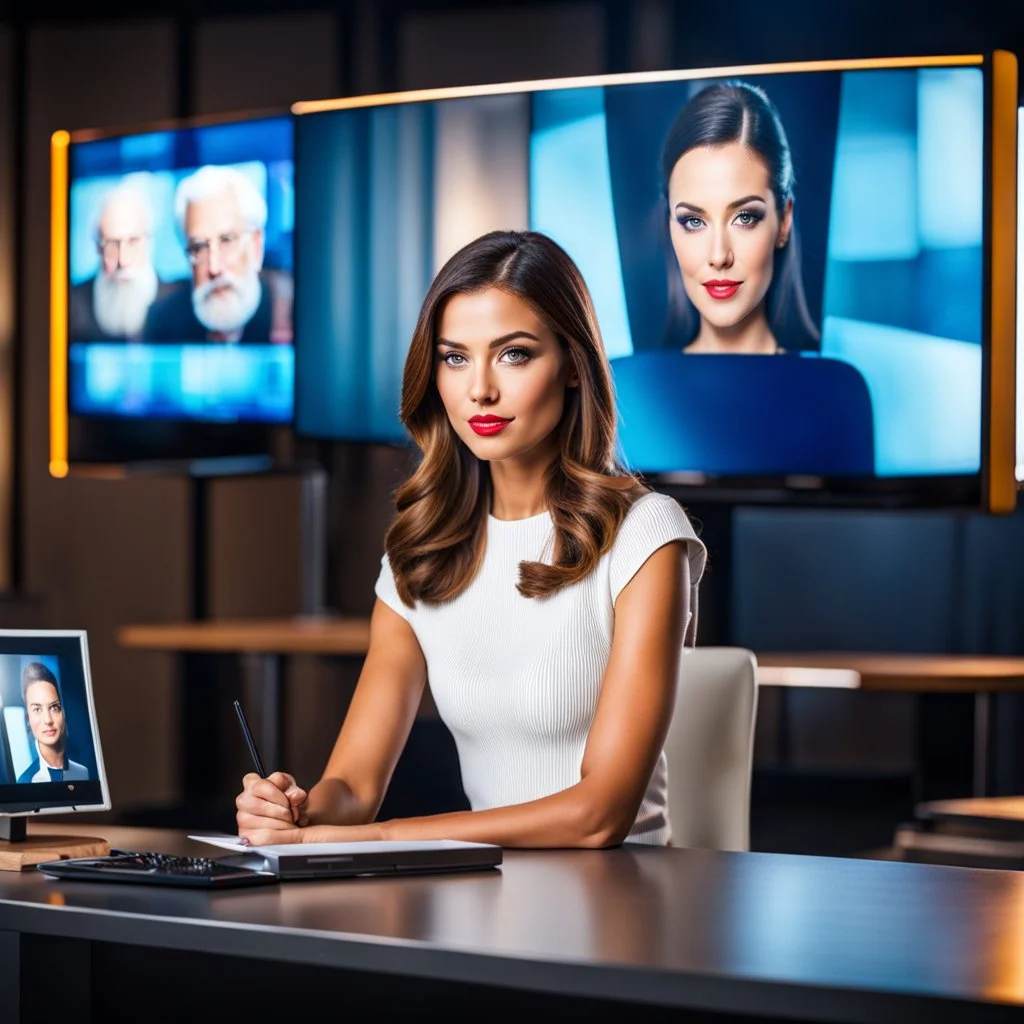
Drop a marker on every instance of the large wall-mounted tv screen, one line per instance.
(179, 275)
(831, 216)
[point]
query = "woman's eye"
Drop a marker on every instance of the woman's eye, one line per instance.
(453, 359)
(690, 223)
(516, 356)
(747, 218)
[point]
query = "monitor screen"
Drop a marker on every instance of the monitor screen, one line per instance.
(179, 280)
(50, 757)
(852, 211)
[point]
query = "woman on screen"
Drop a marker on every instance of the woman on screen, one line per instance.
(542, 589)
(735, 284)
(47, 722)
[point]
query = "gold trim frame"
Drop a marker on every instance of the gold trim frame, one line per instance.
(632, 78)
(999, 480)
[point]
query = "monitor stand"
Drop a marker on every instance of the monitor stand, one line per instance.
(19, 851)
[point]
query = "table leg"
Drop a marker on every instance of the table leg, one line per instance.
(783, 727)
(263, 684)
(982, 730)
(10, 974)
(53, 980)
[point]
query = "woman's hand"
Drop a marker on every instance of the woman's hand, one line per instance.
(274, 804)
(272, 836)
(372, 833)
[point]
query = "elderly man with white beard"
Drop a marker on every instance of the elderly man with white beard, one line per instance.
(112, 305)
(222, 218)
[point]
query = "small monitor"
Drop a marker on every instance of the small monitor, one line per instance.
(50, 757)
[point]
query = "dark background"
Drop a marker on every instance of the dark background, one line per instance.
(101, 553)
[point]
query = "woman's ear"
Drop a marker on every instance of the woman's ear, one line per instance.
(785, 226)
(572, 378)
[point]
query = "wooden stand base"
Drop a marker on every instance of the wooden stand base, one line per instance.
(19, 856)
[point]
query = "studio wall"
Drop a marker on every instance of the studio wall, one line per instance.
(7, 299)
(103, 553)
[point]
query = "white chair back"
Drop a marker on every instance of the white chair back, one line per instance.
(710, 747)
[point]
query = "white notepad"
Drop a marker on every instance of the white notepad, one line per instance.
(339, 860)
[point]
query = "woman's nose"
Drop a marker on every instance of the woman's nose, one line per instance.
(720, 252)
(483, 387)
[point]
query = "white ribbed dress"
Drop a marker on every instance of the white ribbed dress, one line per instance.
(517, 679)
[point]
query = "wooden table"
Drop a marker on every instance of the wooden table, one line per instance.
(300, 635)
(650, 933)
(980, 675)
(263, 643)
(267, 641)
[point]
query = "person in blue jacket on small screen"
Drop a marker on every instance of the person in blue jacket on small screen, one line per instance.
(49, 728)
(735, 284)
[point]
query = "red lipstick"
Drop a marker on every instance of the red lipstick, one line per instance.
(487, 425)
(722, 289)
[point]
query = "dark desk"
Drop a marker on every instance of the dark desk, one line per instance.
(560, 932)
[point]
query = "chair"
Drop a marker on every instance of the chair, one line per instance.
(710, 747)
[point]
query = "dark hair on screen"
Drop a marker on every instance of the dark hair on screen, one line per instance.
(436, 543)
(717, 115)
(37, 672)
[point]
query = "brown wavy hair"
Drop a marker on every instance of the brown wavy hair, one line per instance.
(437, 540)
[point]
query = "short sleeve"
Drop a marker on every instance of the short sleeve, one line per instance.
(653, 521)
(386, 590)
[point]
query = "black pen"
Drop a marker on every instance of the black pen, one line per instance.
(247, 733)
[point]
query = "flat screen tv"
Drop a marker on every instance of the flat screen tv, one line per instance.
(888, 201)
(171, 320)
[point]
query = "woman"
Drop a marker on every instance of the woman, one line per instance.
(541, 588)
(735, 284)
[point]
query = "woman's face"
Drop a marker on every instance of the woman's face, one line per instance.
(725, 227)
(501, 374)
(45, 714)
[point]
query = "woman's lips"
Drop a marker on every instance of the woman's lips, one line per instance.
(722, 289)
(487, 425)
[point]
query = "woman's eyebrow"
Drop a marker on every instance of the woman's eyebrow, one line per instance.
(732, 206)
(511, 336)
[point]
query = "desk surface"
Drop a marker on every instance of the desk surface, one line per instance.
(327, 635)
(817, 938)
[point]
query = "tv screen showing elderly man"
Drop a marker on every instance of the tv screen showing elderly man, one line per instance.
(221, 216)
(180, 264)
(112, 303)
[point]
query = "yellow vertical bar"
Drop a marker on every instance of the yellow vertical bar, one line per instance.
(59, 303)
(1001, 481)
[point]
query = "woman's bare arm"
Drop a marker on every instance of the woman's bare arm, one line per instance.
(625, 740)
(368, 746)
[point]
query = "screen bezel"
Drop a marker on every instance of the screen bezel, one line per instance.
(993, 486)
(50, 797)
(96, 445)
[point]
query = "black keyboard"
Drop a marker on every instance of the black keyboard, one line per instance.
(157, 869)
